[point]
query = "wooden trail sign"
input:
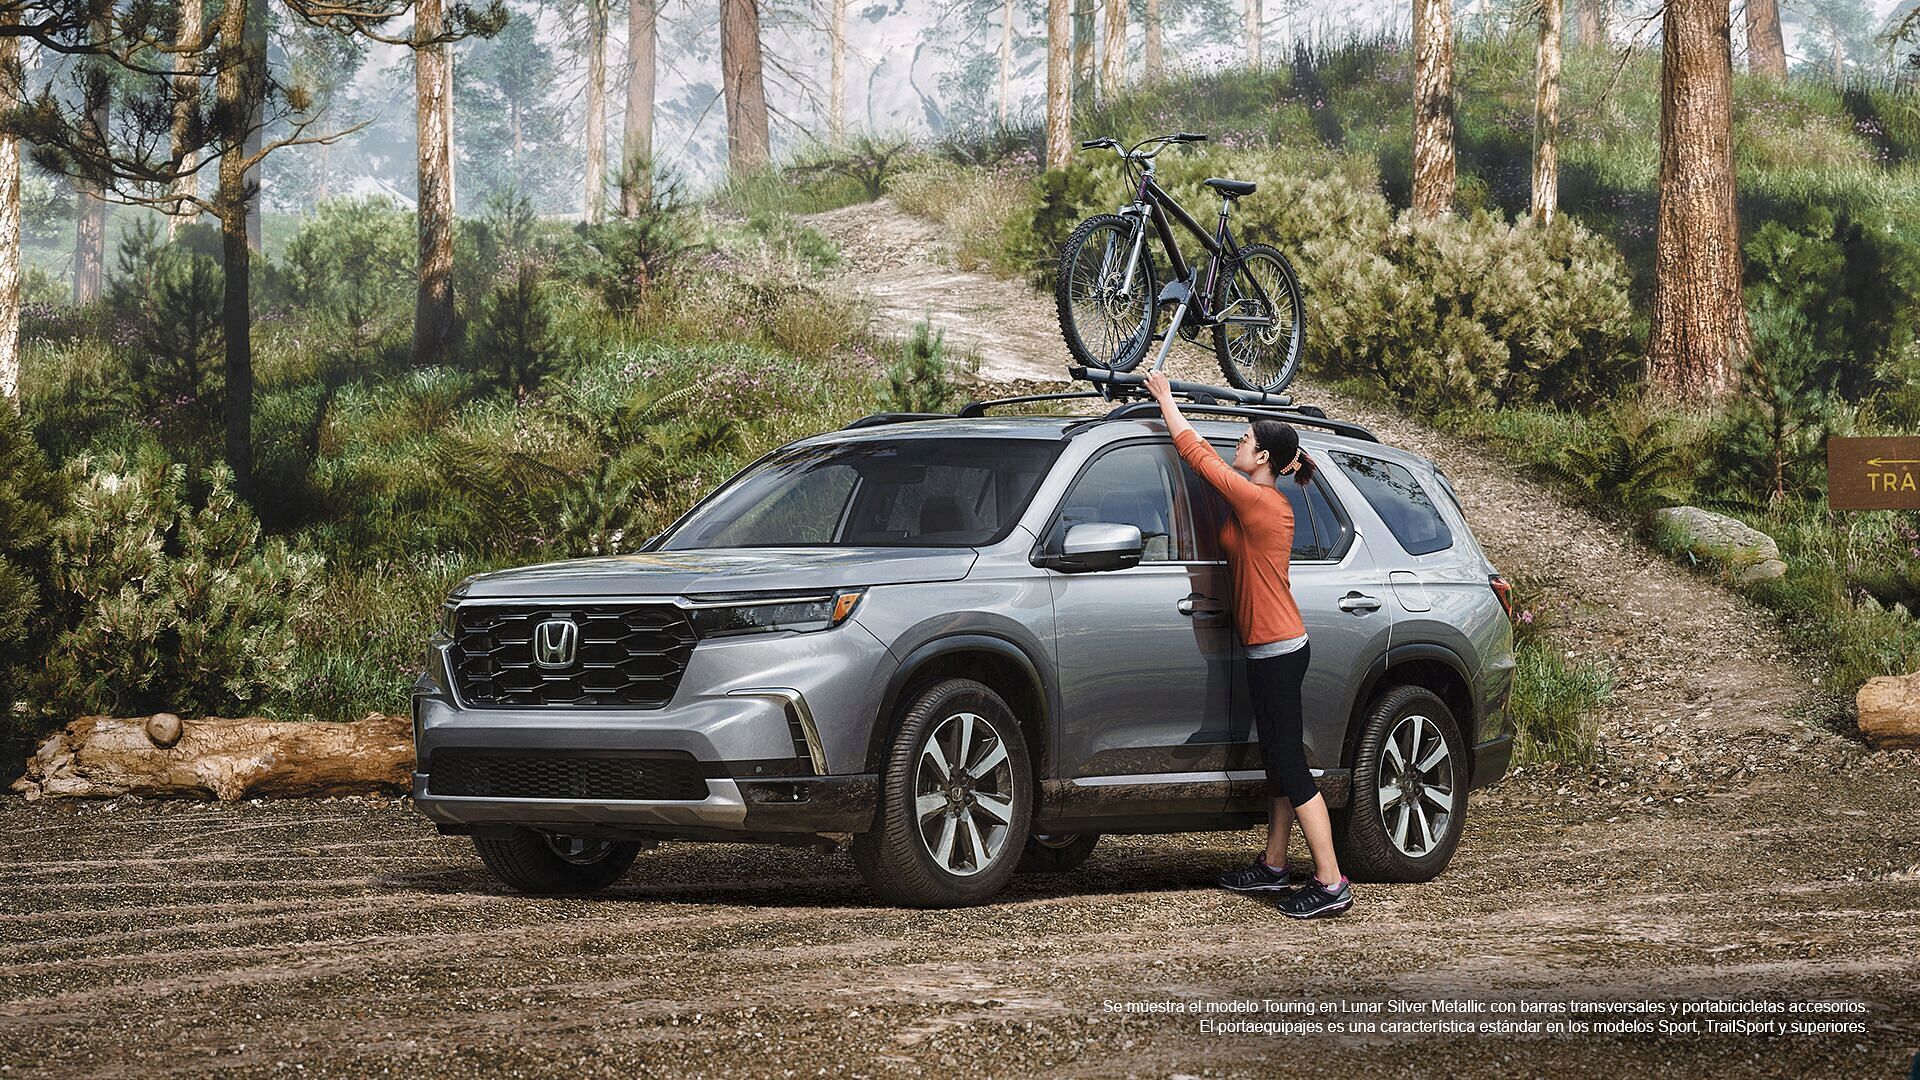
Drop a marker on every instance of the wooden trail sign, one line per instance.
(1874, 474)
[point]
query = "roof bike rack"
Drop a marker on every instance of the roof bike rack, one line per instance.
(1125, 384)
(1142, 409)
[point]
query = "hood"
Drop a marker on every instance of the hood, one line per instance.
(720, 570)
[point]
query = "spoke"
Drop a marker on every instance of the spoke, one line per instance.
(935, 754)
(928, 805)
(966, 739)
(1388, 797)
(1419, 736)
(943, 851)
(1438, 755)
(1393, 755)
(970, 841)
(1426, 829)
(1400, 830)
(1441, 797)
(990, 760)
(994, 806)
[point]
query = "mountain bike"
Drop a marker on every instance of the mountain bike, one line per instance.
(1109, 299)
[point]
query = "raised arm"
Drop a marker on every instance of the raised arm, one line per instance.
(1241, 493)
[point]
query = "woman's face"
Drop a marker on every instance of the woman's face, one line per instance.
(1247, 455)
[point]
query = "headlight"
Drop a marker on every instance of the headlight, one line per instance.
(449, 619)
(724, 617)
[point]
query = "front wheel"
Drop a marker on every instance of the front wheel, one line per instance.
(956, 795)
(1262, 326)
(1106, 310)
(547, 863)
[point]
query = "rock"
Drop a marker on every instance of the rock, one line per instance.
(103, 757)
(163, 729)
(1748, 554)
(1890, 711)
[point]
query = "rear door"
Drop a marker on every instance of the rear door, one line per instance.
(1345, 603)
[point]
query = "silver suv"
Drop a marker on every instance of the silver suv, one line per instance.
(964, 646)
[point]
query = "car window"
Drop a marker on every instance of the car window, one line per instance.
(1400, 501)
(870, 492)
(1129, 485)
(1319, 531)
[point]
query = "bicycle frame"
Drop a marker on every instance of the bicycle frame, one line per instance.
(1152, 201)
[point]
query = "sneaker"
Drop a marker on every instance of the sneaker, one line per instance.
(1257, 876)
(1313, 900)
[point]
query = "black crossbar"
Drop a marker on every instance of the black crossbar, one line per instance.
(1135, 409)
(1128, 382)
(979, 408)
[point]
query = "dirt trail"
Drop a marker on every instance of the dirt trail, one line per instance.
(1723, 847)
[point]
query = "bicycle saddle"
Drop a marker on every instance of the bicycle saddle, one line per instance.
(1232, 189)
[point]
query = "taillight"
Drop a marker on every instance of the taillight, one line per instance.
(1503, 589)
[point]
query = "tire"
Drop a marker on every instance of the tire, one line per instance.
(546, 863)
(901, 857)
(1253, 357)
(1056, 854)
(1367, 833)
(1104, 327)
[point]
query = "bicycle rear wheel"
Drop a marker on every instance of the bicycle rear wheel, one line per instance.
(1107, 320)
(1262, 353)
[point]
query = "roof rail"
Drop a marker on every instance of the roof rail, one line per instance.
(979, 408)
(879, 418)
(1316, 418)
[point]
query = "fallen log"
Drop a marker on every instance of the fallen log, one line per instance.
(162, 755)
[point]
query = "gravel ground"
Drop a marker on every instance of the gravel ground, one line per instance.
(1730, 843)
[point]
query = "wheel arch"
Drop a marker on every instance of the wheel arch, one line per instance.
(999, 663)
(1435, 667)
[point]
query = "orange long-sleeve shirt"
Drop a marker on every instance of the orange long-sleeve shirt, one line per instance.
(1258, 540)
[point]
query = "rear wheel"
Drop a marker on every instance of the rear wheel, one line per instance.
(1056, 854)
(1262, 353)
(544, 863)
(956, 794)
(1409, 803)
(1106, 319)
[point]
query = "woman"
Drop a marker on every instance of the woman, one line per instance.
(1258, 539)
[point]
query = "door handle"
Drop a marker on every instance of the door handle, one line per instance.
(1355, 601)
(1210, 609)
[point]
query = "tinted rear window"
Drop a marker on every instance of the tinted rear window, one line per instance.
(1400, 501)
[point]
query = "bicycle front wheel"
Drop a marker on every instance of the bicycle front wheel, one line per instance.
(1262, 324)
(1106, 312)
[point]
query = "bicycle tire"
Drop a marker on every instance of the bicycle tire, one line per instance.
(1265, 361)
(1120, 345)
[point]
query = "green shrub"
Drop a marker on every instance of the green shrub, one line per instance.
(30, 496)
(164, 600)
(1626, 460)
(622, 259)
(923, 379)
(1553, 701)
(514, 340)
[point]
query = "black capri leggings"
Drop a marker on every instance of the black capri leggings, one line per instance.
(1275, 682)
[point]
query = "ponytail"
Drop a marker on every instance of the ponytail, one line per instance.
(1304, 474)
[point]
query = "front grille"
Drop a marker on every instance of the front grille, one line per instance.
(625, 656)
(659, 774)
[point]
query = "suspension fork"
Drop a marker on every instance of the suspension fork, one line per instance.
(1137, 212)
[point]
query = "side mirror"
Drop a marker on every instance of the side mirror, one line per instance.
(1098, 545)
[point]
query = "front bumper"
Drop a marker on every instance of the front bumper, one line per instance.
(734, 809)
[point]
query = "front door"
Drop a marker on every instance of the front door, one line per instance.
(1144, 654)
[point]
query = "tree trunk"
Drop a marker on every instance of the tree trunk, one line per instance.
(433, 300)
(1083, 72)
(186, 90)
(1698, 338)
(636, 141)
(104, 757)
(513, 120)
(235, 87)
(837, 92)
(1252, 17)
(743, 82)
(1593, 22)
(1433, 165)
(90, 223)
(1113, 49)
(1006, 58)
(256, 118)
(10, 237)
(1059, 85)
(1839, 54)
(1156, 53)
(596, 183)
(1766, 49)
(1546, 116)
(322, 187)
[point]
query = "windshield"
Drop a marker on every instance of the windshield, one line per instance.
(903, 493)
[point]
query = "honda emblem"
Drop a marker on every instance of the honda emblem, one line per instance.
(554, 643)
